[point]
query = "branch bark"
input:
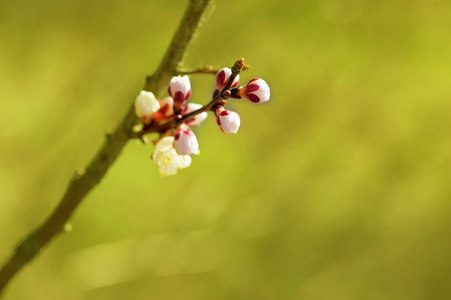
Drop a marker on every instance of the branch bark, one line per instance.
(84, 180)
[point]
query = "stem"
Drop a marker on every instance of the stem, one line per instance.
(206, 107)
(202, 70)
(236, 70)
(86, 179)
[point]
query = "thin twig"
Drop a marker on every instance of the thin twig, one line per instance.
(203, 70)
(86, 179)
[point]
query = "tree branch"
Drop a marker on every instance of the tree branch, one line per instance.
(84, 180)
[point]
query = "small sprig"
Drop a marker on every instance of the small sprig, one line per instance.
(203, 70)
(172, 116)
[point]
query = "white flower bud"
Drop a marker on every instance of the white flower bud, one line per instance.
(185, 141)
(223, 76)
(167, 159)
(197, 119)
(257, 91)
(228, 121)
(180, 89)
(146, 105)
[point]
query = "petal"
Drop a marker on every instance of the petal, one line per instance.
(146, 104)
(197, 119)
(167, 159)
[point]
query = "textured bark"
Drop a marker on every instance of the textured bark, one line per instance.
(84, 180)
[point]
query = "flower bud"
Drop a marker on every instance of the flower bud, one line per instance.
(257, 91)
(228, 121)
(180, 90)
(167, 159)
(185, 141)
(146, 105)
(223, 76)
(197, 119)
(166, 110)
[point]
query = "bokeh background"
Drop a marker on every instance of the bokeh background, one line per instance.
(338, 188)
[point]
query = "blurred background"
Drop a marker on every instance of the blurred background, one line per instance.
(337, 188)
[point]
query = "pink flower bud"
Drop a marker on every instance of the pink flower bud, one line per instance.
(180, 90)
(257, 91)
(146, 105)
(222, 77)
(185, 141)
(197, 119)
(166, 110)
(228, 121)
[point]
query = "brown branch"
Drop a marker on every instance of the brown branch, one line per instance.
(86, 179)
(203, 70)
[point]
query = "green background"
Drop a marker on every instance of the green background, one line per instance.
(337, 188)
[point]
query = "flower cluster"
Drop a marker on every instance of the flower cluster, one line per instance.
(172, 117)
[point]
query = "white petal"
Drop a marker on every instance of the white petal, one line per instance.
(146, 104)
(263, 92)
(185, 142)
(180, 83)
(229, 121)
(167, 159)
(197, 119)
